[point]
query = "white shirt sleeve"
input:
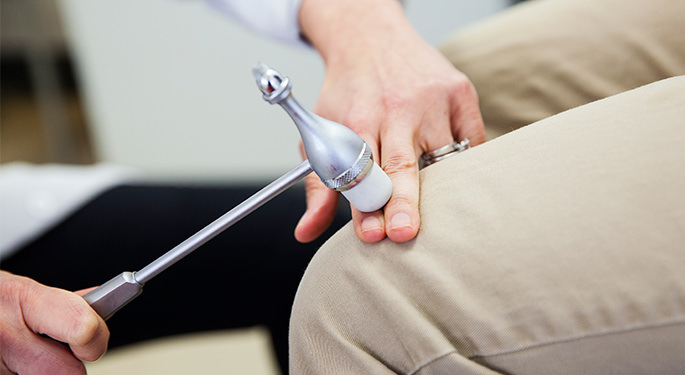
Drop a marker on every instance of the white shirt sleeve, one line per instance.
(275, 18)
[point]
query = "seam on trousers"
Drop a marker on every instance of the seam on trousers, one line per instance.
(551, 342)
(422, 366)
(576, 338)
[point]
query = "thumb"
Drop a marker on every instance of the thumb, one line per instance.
(322, 204)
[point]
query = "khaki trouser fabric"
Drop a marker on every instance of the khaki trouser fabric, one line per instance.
(543, 57)
(556, 248)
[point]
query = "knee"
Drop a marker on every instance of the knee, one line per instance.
(370, 308)
(351, 309)
(332, 305)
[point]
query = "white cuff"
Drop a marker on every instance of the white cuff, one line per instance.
(275, 18)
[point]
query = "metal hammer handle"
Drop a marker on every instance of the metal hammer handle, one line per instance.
(122, 289)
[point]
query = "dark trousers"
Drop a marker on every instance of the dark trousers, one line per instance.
(246, 276)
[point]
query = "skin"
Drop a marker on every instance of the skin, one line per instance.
(46, 330)
(397, 92)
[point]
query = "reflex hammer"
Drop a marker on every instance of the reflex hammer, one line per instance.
(340, 158)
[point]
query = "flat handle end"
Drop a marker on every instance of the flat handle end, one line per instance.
(111, 296)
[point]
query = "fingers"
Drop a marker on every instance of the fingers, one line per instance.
(31, 354)
(399, 159)
(403, 138)
(369, 226)
(65, 317)
(432, 106)
(402, 211)
(467, 121)
(322, 204)
(29, 312)
(68, 318)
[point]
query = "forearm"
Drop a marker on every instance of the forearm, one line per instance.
(340, 28)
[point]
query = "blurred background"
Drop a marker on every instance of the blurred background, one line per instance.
(164, 86)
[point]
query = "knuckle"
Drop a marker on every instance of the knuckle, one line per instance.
(399, 163)
(10, 338)
(85, 329)
(394, 102)
(58, 361)
(13, 285)
(464, 89)
(399, 200)
(359, 121)
(16, 289)
(443, 86)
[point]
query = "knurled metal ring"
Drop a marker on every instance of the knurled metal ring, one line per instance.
(355, 173)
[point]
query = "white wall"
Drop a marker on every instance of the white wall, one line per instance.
(168, 85)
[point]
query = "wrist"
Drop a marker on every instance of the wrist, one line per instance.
(338, 28)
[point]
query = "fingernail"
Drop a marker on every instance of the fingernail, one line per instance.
(400, 220)
(371, 223)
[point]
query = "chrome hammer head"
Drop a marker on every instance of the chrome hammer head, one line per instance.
(341, 159)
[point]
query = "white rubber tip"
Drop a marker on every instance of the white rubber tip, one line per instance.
(372, 193)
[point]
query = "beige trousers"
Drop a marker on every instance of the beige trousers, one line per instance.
(558, 248)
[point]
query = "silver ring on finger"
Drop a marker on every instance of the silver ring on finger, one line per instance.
(432, 157)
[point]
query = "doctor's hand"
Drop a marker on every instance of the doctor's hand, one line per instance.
(34, 317)
(394, 90)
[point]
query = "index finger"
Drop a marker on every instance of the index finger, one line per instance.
(399, 161)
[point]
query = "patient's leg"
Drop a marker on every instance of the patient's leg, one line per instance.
(544, 57)
(557, 248)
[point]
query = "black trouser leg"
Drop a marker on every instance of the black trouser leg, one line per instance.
(246, 276)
